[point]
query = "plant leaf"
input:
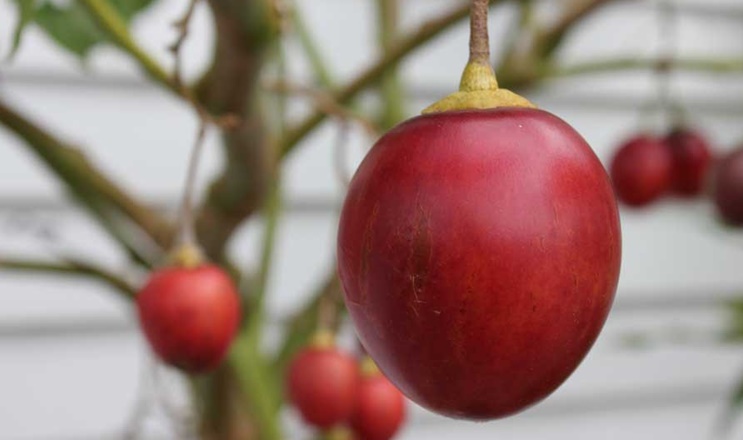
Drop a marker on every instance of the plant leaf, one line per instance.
(26, 14)
(71, 26)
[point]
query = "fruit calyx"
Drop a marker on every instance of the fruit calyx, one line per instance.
(369, 368)
(322, 339)
(478, 88)
(186, 256)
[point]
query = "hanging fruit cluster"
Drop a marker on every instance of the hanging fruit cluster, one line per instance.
(479, 248)
(332, 392)
(647, 167)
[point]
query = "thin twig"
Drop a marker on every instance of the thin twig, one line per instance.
(83, 179)
(73, 267)
(186, 230)
(406, 45)
(340, 151)
(327, 312)
(314, 56)
(181, 25)
(718, 66)
(325, 103)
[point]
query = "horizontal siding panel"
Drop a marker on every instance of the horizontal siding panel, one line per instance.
(674, 251)
(85, 385)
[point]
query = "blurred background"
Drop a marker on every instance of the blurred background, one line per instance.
(72, 357)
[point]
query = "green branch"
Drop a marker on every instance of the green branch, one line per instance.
(371, 75)
(393, 94)
(256, 379)
(110, 22)
(719, 66)
(82, 178)
(303, 325)
(312, 53)
(256, 319)
(71, 267)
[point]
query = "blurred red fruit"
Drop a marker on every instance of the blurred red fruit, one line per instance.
(728, 188)
(692, 158)
(323, 384)
(641, 170)
(190, 316)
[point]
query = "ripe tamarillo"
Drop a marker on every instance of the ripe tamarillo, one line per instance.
(728, 188)
(189, 313)
(691, 157)
(479, 249)
(642, 170)
(322, 383)
(380, 407)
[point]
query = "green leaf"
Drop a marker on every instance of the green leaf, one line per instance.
(26, 13)
(71, 26)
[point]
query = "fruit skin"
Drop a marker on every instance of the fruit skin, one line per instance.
(692, 158)
(728, 187)
(190, 315)
(322, 384)
(479, 253)
(642, 170)
(380, 409)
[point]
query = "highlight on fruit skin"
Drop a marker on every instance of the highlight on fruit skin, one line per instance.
(189, 315)
(728, 188)
(642, 170)
(322, 383)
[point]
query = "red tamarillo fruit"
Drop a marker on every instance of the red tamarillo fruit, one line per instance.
(322, 383)
(692, 159)
(728, 188)
(189, 312)
(642, 170)
(380, 407)
(479, 249)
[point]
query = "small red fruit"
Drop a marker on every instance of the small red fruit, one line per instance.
(190, 315)
(380, 408)
(728, 188)
(641, 170)
(322, 384)
(692, 158)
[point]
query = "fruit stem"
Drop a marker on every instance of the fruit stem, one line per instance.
(479, 39)
(186, 229)
(479, 74)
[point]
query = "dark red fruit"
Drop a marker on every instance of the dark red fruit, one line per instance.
(479, 253)
(642, 170)
(190, 316)
(692, 158)
(380, 409)
(728, 188)
(322, 384)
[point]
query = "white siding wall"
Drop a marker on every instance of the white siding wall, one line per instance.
(70, 355)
